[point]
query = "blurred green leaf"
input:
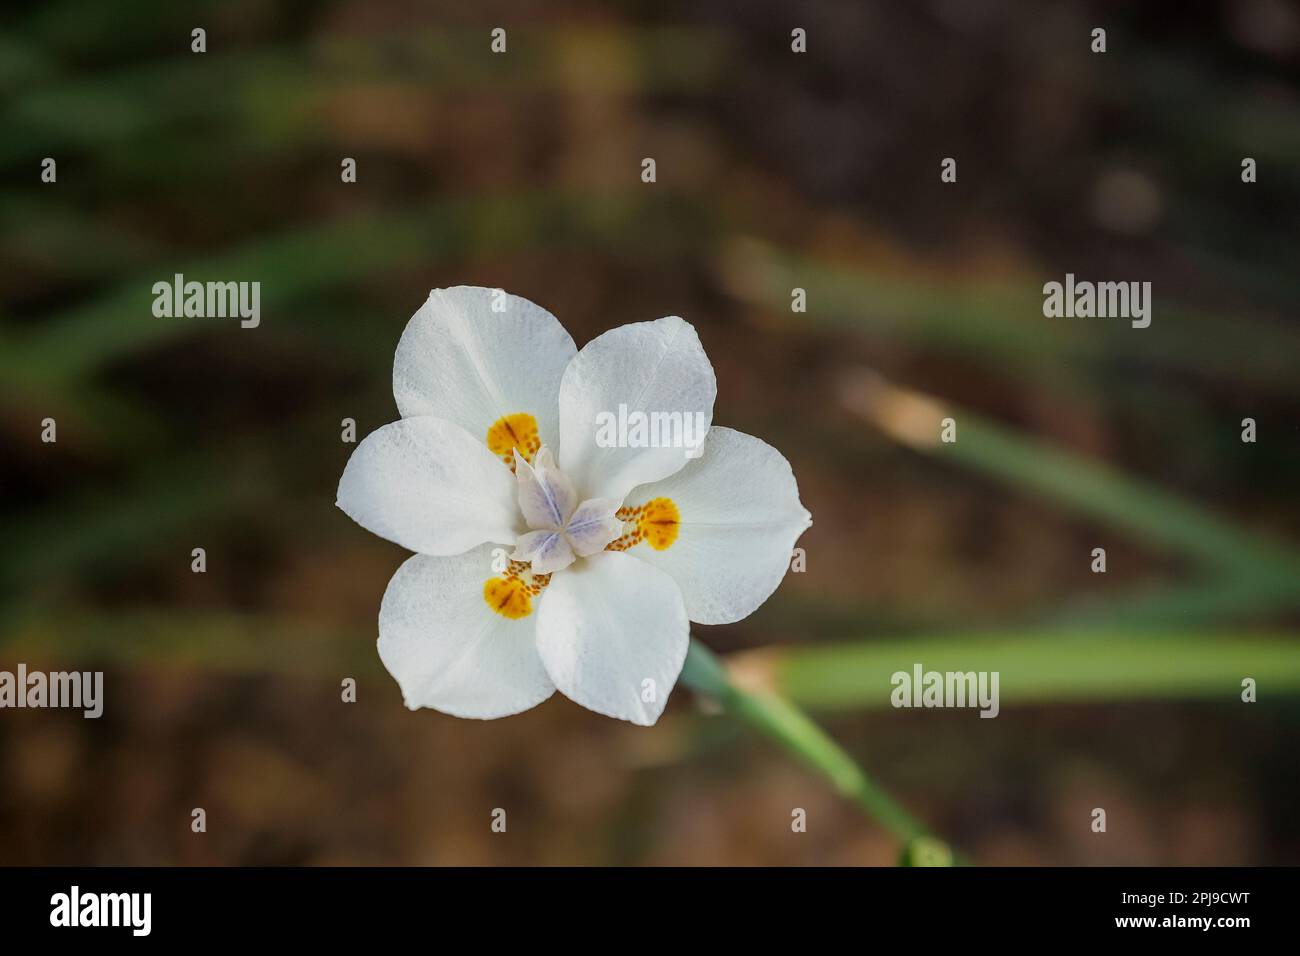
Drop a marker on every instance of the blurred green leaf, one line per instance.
(310, 260)
(1041, 667)
(281, 95)
(167, 638)
(1075, 481)
(1001, 322)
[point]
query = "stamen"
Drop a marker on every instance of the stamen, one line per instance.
(514, 431)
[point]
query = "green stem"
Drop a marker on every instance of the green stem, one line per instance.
(793, 730)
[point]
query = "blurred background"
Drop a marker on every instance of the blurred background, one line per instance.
(775, 171)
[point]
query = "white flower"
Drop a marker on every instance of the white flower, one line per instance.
(615, 549)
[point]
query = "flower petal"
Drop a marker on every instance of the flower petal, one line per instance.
(740, 516)
(429, 486)
(463, 360)
(593, 525)
(449, 650)
(548, 551)
(648, 367)
(612, 634)
(546, 496)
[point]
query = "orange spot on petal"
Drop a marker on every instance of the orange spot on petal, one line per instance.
(658, 523)
(514, 431)
(509, 597)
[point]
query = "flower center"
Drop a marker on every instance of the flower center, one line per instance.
(562, 529)
(657, 523)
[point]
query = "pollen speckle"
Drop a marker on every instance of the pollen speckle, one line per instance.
(514, 431)
(657, 523)
(510, 597)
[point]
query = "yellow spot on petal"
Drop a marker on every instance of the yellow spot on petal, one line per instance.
(514, 431)
(509, 597)
(658, 523)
